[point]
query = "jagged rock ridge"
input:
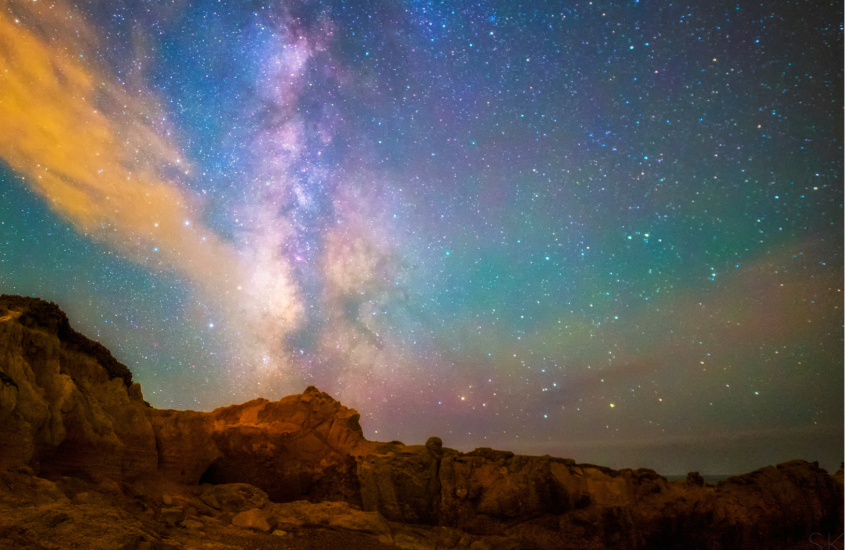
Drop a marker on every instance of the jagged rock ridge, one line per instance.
(76, 436)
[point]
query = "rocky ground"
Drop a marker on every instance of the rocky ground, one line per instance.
(69, 512)
(85, 462)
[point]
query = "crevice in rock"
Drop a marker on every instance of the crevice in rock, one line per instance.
(211, 475)
(7, 380)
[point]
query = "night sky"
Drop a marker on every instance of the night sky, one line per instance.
(605, 231)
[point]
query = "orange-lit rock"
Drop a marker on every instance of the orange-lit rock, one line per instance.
(67, 404)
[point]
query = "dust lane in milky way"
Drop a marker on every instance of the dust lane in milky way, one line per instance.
(606, 231)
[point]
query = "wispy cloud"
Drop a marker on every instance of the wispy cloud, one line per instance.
(101, 157)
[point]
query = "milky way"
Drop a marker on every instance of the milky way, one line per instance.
(604, 231)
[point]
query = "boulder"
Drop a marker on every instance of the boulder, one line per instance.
(252, 519)
(233, 497)
(171, 516)
(192, 524)
(337, 516)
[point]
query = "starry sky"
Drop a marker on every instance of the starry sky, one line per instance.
(608, 231)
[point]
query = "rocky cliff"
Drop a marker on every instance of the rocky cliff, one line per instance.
(86, 462)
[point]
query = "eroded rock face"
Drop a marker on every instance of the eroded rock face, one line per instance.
(402, 483)
(185, 444)
(302, 446)
(536, 500)
(70, 413)
(66, 404)
(67, 407)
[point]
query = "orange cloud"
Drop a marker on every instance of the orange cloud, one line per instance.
(96, 170)
(98, 155)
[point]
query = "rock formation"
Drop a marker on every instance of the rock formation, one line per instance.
(86, 462)
(66, 405)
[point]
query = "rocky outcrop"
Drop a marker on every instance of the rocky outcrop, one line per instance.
(43, 514)
(535, 500)
(79, 448)
(66, 404)
(68, 407)
(403, 483)
(302, 446)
